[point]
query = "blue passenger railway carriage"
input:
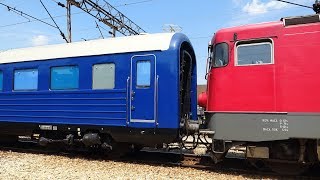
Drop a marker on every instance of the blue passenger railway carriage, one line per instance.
(138, 90)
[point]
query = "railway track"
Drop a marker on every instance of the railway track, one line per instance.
(158, 157)
(229, 165)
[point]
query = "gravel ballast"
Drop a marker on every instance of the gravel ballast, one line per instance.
(15, 165)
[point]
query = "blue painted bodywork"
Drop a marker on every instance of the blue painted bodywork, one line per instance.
(143, 98)
(84, 106)
(1, 80)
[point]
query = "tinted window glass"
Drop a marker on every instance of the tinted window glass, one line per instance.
(143, 73)
(256, 53)
(103, 76)
(26, 79)
(65, 77)
(1, 80)
(221, 55)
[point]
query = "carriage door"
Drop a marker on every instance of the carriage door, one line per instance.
(143, 91)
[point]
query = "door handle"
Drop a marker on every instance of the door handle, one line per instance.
(132, 95)
(132, 108)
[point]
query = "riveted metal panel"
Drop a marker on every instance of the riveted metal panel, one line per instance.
(104, 76)
(256, 127)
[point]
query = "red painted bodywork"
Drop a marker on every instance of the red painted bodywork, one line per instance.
(291, 84)
(202, 99)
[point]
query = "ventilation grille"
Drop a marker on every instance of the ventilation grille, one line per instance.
(290, 21)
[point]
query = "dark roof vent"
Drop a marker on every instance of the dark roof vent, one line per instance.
(290, 21)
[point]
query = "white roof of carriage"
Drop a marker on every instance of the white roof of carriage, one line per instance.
(137, 43)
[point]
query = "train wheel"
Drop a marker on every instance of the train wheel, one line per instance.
(136, 148)
(288, 156)
(281, 168)
(217, 157)
(257, 164)
(119, 150)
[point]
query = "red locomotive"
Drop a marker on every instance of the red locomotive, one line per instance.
(263, 92)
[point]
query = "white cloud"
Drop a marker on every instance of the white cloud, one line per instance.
(39, 40)
(256, 7)
(254, 11)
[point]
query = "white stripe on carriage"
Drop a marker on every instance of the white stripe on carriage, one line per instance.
(142, 121)
(137, 43)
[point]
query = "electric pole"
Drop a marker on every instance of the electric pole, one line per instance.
(69, 21)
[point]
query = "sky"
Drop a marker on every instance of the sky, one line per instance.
(199, 20)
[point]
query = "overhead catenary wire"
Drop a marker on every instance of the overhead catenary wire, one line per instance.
(133, 3)
(120, 5)
(24, 22)
(99, 29)
(60, 16)
(61, 33)
(301, 5)
(25, 14)
(20, 15)
(127, 4)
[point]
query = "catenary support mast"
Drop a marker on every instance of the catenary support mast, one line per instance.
(69, 21)
(107, 14)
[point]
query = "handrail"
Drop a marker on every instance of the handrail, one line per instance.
(128, 101)
(157, 99)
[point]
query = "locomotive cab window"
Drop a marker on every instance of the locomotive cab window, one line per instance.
(254, 53)
(103, 76)
(25, 80)
(64, 77)
(220, 55)
(143, 74)
(1, 80)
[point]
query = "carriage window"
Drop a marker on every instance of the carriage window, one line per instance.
(64, 77)
(254, 54)
(143, 73)
(26, 79)
(103, 76)
(1, 80)
(220, 55)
